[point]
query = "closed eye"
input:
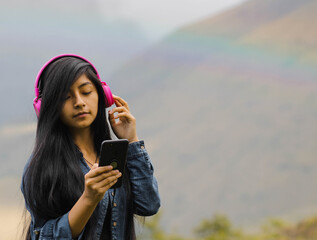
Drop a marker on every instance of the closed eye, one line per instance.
(87, 93)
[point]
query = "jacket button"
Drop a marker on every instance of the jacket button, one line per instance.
(112, 193)
(114, 223)
(142, 147)
(114, 204)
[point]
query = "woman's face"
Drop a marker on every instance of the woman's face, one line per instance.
(81, 104)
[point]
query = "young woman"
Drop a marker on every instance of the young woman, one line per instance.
(67, 194)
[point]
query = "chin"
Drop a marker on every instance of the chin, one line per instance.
(81, 125)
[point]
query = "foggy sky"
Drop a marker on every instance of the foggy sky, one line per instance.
(158, 18)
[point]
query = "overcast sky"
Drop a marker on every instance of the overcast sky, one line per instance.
(160, 17)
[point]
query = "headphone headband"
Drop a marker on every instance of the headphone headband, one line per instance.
(37, 101)
(39, 75)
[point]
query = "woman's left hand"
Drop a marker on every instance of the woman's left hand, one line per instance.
(123, 123)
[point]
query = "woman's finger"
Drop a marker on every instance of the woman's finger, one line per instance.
(107, 187)
(107, 181)
(94, 166)
(118, 109)
(101, 177)
(112, 121)
(99, 170)
(124, 115)
(120, 101)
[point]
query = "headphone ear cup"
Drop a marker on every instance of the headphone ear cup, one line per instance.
(108, 95)
(37, 106)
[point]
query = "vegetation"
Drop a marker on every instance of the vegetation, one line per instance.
(219, 227)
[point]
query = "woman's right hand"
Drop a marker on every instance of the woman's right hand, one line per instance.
(97, 181)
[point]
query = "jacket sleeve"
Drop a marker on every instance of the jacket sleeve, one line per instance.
(143, 183)
(52, 229)
(41, 229)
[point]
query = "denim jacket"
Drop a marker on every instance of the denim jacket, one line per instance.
(145, 193)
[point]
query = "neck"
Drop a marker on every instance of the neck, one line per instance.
(84, 140)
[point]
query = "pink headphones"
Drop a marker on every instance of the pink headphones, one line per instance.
(37, 101)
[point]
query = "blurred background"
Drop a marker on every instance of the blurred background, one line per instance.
(224, 93)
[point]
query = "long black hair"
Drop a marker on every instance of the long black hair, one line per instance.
(53, 180)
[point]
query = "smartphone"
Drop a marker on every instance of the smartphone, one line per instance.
(114, 153)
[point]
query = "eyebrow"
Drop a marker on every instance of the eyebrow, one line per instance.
(84, 84)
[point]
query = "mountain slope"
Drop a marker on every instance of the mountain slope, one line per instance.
(294, 33)
(245, 18)
(230, 125)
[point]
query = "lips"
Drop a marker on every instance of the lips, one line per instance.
(80, 114)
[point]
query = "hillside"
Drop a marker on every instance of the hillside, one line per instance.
(283, 27)
(293, 34)
(245, 18)
(230, 125)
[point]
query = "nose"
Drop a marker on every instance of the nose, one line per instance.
(78, 102)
